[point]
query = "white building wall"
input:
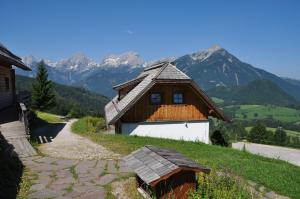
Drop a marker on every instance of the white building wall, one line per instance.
(188, 131)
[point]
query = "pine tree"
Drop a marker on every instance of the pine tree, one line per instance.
(43, 97)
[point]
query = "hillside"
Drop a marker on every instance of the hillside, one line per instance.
(256, 92)
(259, 112)
(77, 100)
(209, 68)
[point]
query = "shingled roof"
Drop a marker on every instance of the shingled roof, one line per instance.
(9, 57)
(163, 71)
(152, 164)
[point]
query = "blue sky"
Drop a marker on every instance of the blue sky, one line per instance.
(262, 33)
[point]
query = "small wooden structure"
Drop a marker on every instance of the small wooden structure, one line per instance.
(163, 173)
(162, 102)
(7, 77)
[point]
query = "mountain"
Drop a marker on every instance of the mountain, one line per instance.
(81, 71)
(209, 68)
(295, 82)
(256, 92)
(69, 99)
(217, 67)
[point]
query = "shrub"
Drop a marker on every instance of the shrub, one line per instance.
(280, 136)
(217, 138)
(259, 133)
(219, 186)
(89, 124)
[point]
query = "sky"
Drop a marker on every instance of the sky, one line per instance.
(264, 33)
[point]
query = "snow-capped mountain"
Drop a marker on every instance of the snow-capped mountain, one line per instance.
(209, 68)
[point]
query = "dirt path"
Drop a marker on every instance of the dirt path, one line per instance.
(287, 154)
(71, 146)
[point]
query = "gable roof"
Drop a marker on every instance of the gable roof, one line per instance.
(163, 71)
(152, 164)
(11, 58)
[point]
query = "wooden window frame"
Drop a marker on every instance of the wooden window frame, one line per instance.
(6, 82)
(161, 97)
(183, 97)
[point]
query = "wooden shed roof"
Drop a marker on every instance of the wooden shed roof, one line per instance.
(153, 164)
(161, 72)
(8, 57)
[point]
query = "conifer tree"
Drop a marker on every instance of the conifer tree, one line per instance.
(43, 97)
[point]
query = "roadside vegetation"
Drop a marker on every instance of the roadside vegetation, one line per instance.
(275, 175)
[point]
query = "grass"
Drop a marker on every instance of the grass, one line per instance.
(276, 175)
(48, 117)
(251, 112)
(73, 172)
(24, 185)
(288, 132)
(42, 119)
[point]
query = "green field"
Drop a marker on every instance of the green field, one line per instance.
(217, 100)
(276, 175)
(288, 132)
(251, 112)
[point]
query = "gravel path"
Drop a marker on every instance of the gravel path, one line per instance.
(287, 154)
(71, 146)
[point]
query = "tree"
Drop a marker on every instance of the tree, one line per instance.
(259, 133)
(280, 136)
(43, 97)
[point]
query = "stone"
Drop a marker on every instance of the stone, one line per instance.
(251, 183)
(46, 160)
(44, 194)
(59, 187)
(84, 166)
(111, 166)
(67, 180)
(37, 187)
(99, 194)
(66, 163)
(106, 179)
(271, 195)
(85, 188)
(262, 189)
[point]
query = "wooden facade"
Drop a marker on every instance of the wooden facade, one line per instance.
(7, 86)
(191, 110)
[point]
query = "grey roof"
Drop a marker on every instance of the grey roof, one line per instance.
(115, 108)
(159, 72)
(9, 57)
(151, 163)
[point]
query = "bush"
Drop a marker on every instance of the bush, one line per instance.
(217, 138)
(280, 136)
(259, 134)
(219, 186)
(89, 124)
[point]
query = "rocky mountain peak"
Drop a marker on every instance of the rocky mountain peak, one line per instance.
(127, 58)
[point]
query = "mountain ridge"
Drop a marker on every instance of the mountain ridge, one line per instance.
(209, 68)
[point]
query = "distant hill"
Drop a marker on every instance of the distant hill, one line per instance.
(262, 92)
(69, 99)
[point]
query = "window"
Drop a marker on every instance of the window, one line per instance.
(6, 79)
(156, 98)
(178, 98)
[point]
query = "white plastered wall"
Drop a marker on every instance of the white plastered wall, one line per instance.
(188, 131)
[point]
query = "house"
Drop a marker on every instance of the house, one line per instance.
(163, 173)
(162, 102)
(7, 76)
